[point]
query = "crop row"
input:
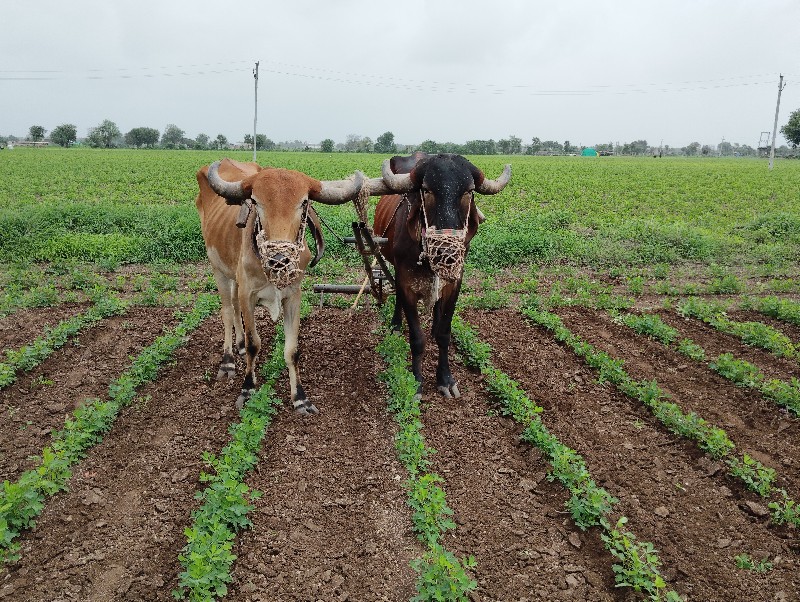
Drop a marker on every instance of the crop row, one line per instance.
(589, 505)
(442, 576)
(743, 373)
(709, 438)
(22, 501)
(751, 333)
(28, 357)
(207, 557)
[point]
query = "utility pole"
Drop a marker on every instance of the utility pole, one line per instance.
(775, 125)
(255, 113)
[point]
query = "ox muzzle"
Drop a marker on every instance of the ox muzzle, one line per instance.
(280, 259)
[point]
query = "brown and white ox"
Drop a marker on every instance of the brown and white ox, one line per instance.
(429, 215)
(254, 221)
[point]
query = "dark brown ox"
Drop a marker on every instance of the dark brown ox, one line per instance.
(254, 221)
(430, 221)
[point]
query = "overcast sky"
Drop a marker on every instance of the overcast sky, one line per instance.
(446, 70)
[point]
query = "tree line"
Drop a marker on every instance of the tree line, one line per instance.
(108, 135)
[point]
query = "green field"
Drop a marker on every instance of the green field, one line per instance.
(126, 206)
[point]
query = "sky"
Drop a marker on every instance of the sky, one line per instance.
(446, 70)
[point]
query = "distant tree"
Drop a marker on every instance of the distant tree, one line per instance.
(326, 146)
(791, 131)
(36, 133)
(504, 146)
(429, 146)
(248, 140)
(692, 149)
(385, 143)
(481, 147)
(142, 136)
(201, 142)
(264, 143)
(220, 142)
(352, 142)
(551, 146)
(534, 147)
(705, 150)
(604, 147)
(172, 136)
(365, 145)
(567, 147)
(105, 135)
(725, 149)
(65, 134)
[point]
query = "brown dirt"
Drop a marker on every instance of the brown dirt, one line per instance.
(25, 325)
(757, 426)
(37, 403)
(333, 523)
(673, 496)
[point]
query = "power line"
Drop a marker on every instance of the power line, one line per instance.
(380, 81)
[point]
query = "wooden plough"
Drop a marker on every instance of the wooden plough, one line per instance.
(378, 275)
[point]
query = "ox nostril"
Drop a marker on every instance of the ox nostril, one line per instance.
(277, 261)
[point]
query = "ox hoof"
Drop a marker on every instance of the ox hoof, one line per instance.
(243, 397)
(229, 371)
(305, 408)
(449, 391)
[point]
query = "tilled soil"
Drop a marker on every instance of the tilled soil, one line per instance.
(38, 402)
(508, 515)
(24, 325)
(673, 496)
(333, 524)
(757, 426)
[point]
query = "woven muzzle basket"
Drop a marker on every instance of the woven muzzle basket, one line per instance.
(287, 270)
(445, 250)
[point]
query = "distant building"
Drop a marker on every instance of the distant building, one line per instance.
(31, 143)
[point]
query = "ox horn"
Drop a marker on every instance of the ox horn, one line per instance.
(396, 182)
(336, 192)
(495, 186)
(229, 190)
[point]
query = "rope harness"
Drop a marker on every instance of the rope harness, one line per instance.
(444, 249)
(285, 270)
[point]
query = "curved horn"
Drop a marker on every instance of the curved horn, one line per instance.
(495, 186)
(336, 192)
(377, 187)
(230, 190)
(396, 182)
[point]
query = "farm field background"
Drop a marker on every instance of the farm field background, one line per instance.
(107, 297)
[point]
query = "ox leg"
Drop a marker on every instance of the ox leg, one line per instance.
(291, 354)
(416, 337)
(397, 318)
(231, 318)
(252, 347)
(442, 325)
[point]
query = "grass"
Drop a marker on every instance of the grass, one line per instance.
(128, 206)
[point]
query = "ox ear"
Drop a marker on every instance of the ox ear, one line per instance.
(399, 164)
(313, 224)
(476, 218)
